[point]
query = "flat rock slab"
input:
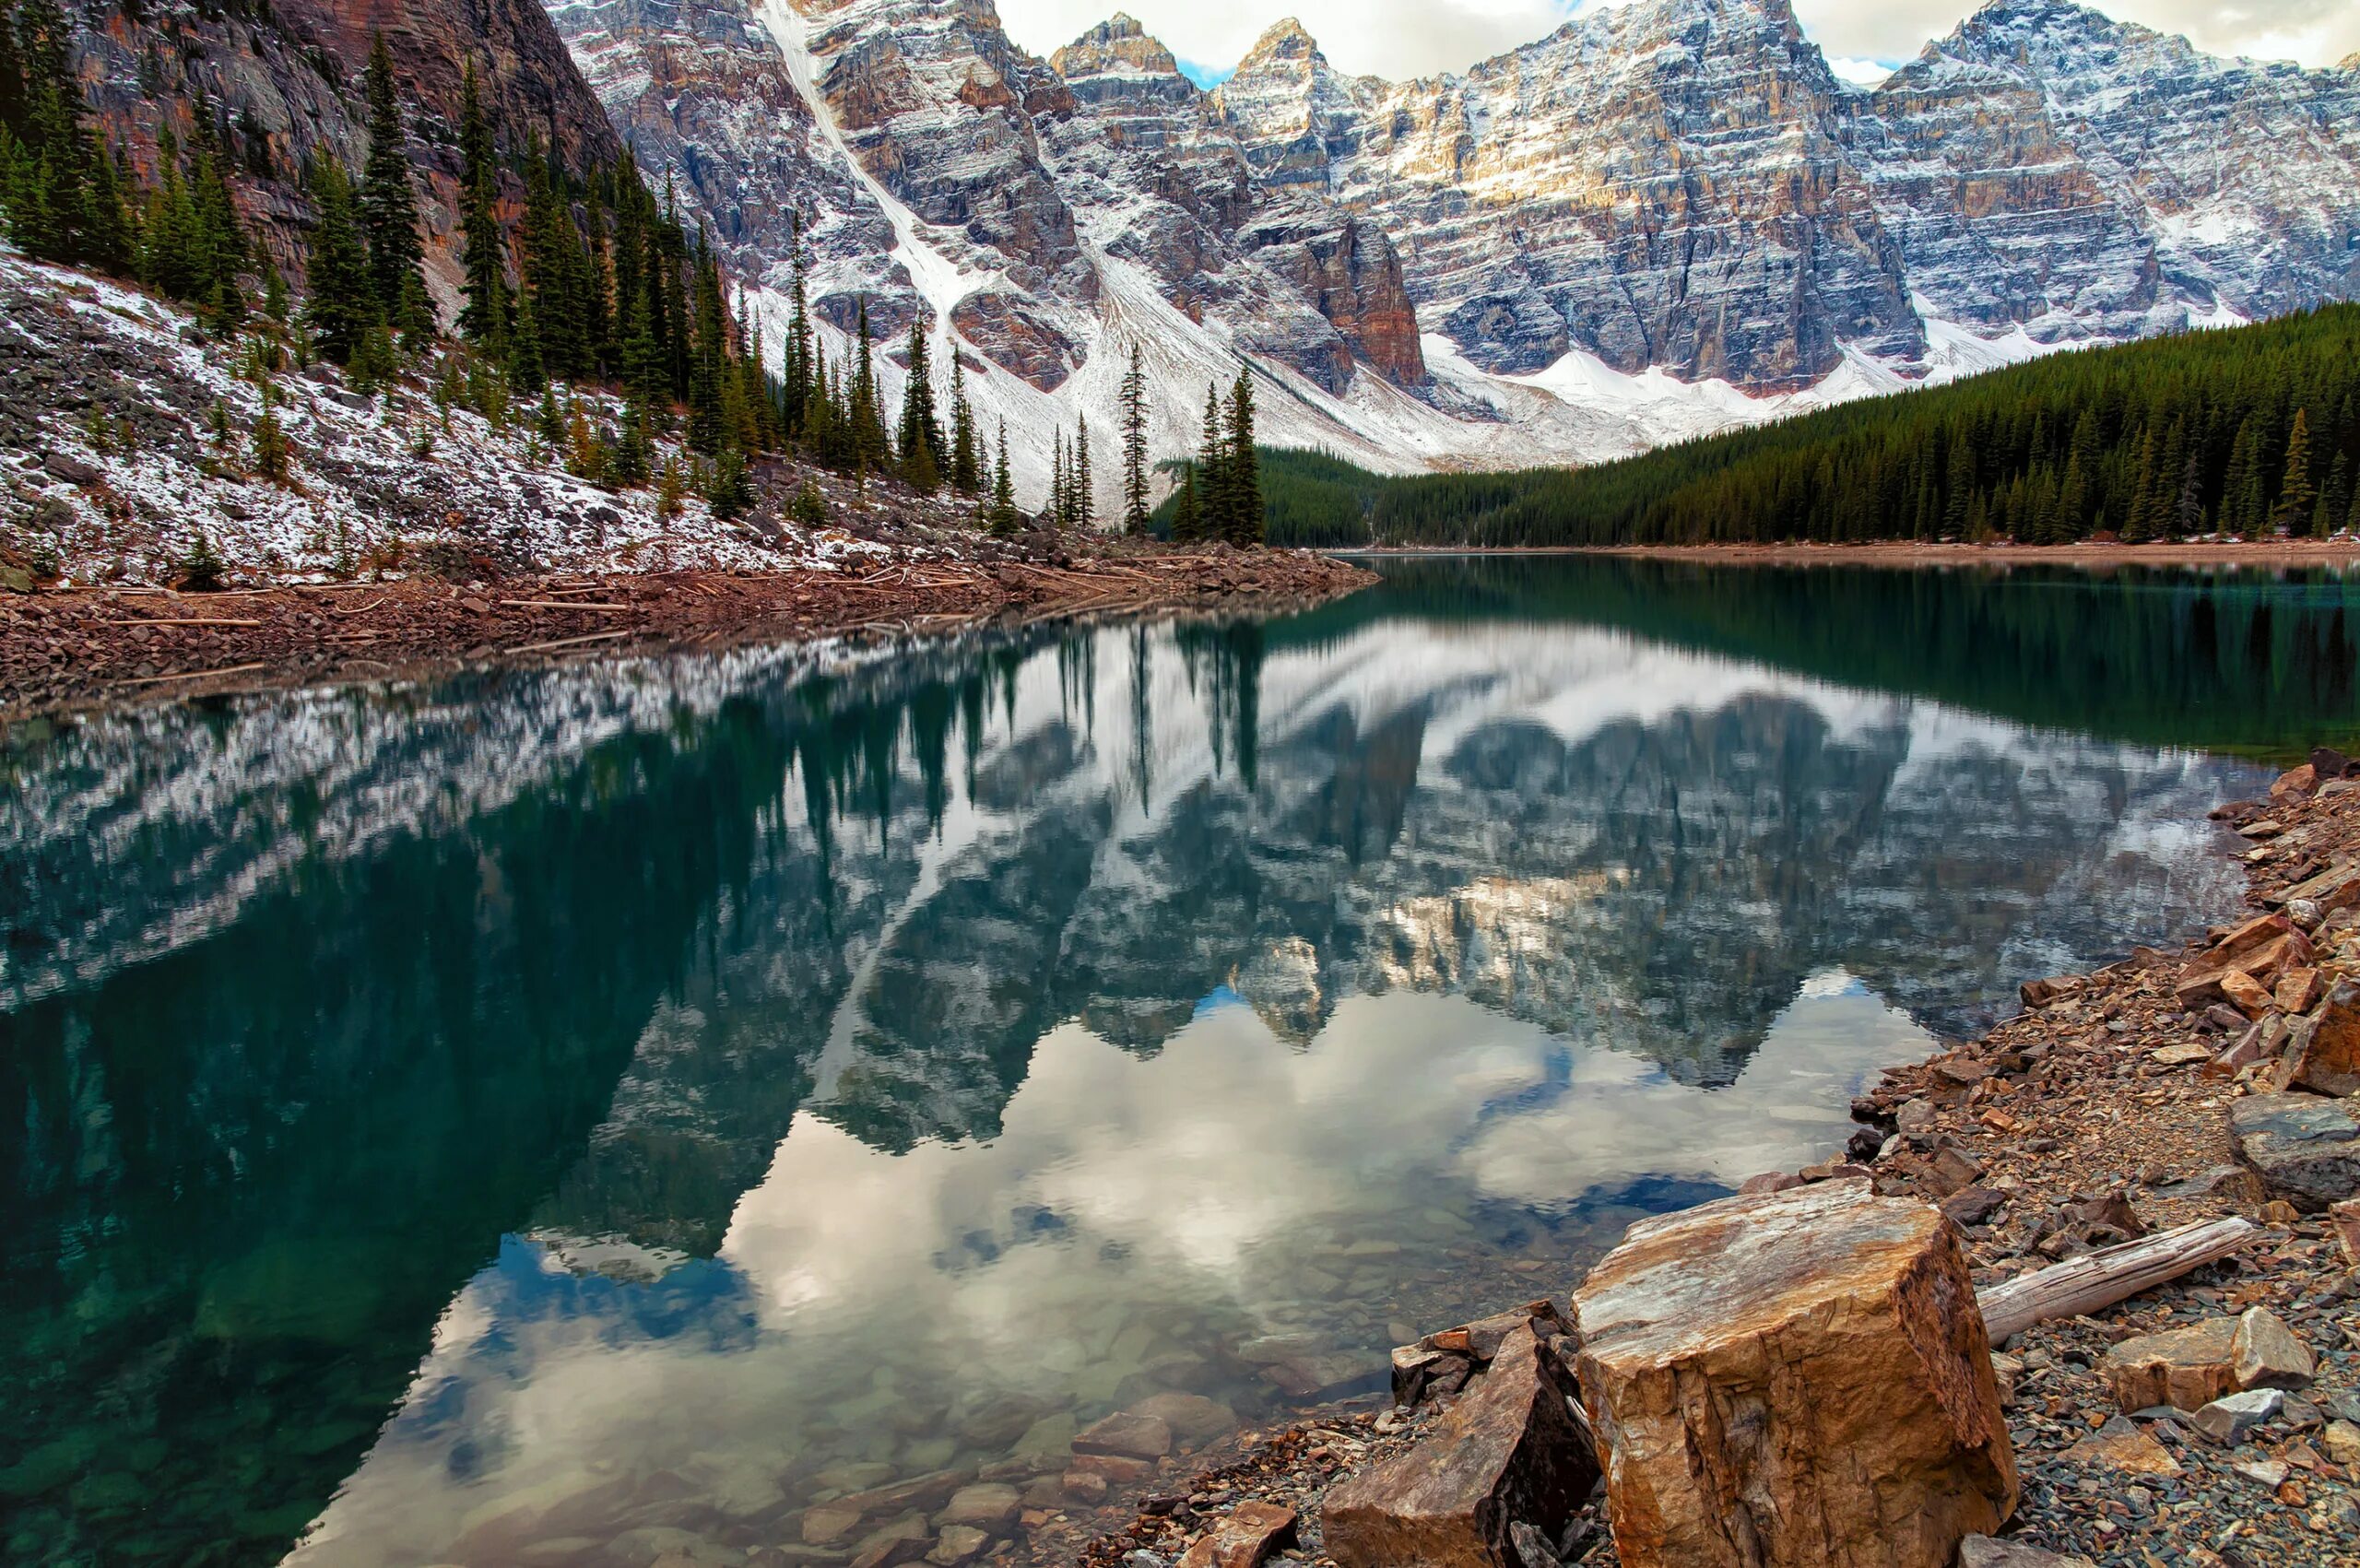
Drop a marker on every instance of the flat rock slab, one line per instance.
(1985, 1551)
(1125, 1436)
(2123, 1445)
(1800, 1380)
(2185, 1368)
(1511, 1452)
(2303, 1148)
(1244, 1539)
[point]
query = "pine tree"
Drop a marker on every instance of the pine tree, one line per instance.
(2242, 509)
(1135, 488)
(484, 318)
(1085, 505)
(60, 186)
(343, 306)
(389, 206)
(1212, 472)
(1187, 515)
(966, 468)
(872, 447)
(2335, 499)
(2296, 496)
(2140, 525)
(924, 450)
(1002, 520)
(1247, 526)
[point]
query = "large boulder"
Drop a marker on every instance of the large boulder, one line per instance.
(1799, 1379)
(2186, 1368)
(1513, 1451)
(2328, 1060)
(2304, 1149)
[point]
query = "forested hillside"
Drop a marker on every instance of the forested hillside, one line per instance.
(2246, 432)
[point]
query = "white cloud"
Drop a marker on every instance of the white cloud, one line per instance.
(1867, 72)
(1412, 38)
(1387, 38)
(2317, 33)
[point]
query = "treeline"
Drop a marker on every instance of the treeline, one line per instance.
(2247, 430)
(1219, 495)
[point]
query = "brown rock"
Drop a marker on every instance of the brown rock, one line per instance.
(2245, 994)
(1113, 1467)
(1768, 1182)
(2331, 890)
(1192, 1417)
(904, 1540)
(2326, 1060)
(1086, 1486)
(919, 1492)
(1512, 1451)
(957, 1544)
(1125, 1436)
(1248, 1533)
(1985, 1551)
(990, 1506)
(1797, 1379)
(2185, 1368)
(2298, 990)
(2267, 1355)
(827, 1524)
(2344, 1219)
(2120, 1445)
(2296, 784)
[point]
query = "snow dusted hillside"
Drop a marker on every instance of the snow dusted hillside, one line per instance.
(110, 462)
(1667, 218)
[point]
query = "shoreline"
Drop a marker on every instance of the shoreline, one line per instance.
(2101, 1110)
(71, 649)
(2271, 553)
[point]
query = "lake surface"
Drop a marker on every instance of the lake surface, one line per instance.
(522, 1119)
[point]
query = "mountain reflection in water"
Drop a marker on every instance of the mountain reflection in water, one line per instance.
(564, 1103)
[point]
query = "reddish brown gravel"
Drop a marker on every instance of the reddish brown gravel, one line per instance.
(84, 647)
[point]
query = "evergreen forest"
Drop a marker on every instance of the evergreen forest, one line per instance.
(2251, 431)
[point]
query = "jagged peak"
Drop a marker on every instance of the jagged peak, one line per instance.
(1119, 44)
(1287, 39)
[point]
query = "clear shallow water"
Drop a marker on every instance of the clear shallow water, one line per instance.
(475, 1124)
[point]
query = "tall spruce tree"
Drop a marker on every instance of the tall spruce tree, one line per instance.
(1247, 526)
(966, 468)
(924, 449)
(1085, 503)
(389, 206)
(486, 317)
(343, 306)
(1002, 520)
(60, 186)
(1212, 472)
(1135, 488)
(2296, 496)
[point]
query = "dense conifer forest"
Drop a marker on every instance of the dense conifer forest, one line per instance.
(2248, 432)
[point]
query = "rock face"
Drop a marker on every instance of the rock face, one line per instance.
(1795, 1378)
(1680, 185)
(286, 79)
(2306, 1149)
(1513, 1452)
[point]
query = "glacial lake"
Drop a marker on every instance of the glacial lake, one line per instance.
(546, 1116)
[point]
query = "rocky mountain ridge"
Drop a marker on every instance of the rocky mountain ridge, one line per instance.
(1664, 218)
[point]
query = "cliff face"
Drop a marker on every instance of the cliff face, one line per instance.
(285, 81)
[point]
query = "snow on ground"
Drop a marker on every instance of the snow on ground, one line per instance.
(375, 480)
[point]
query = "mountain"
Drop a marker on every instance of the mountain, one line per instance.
(1665, 218)
(283, 80)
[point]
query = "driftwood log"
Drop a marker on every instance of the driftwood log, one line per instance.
(2100, 1278)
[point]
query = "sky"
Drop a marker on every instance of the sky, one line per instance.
(1402, 38)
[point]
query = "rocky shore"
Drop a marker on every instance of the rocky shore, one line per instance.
(2186, 1105)
(73, 648)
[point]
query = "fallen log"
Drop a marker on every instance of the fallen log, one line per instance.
(2098, 1280)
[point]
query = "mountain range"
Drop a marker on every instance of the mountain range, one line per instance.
(1666, 216)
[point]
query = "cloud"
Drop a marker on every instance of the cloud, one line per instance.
(2317, 33)
(1867, 72)
(1400, 39)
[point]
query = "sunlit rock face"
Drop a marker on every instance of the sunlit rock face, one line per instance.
(2044, 164)
(1655, 184)
(1673, 185)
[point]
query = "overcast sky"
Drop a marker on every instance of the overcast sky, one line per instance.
(1408, 37)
